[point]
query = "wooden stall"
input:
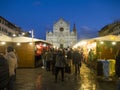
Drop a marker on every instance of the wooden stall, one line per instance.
(25, 49)
(103, 48)
(107, 50)
(25, 54)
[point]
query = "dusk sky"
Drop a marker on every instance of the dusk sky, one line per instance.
(40, 15)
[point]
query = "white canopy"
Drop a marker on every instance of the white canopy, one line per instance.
(107, 38)
(22, 39)
(27, 39)
(5, 38)
(103, 38)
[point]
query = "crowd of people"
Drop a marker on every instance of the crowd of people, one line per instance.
(61, 60)
(55, 60)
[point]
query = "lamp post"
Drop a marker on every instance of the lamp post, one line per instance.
(33, 45)
(32, 34)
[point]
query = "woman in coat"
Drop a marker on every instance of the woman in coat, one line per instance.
(12, 62)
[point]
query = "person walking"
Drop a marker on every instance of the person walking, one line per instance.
(12, 62)
(49, 57)
(77, 61)
(117, 65)
(43, 59)
(69, 57)
(117, 68)
(60, 64)
(54, 61)
(4, 72)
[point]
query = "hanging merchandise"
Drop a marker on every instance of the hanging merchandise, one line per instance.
(106, 68)
(111, 67)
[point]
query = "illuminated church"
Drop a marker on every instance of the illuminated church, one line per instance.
(61, 36)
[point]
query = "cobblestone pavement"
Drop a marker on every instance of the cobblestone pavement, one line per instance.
(40, 79)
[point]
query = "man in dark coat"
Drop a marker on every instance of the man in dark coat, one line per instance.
(60, 65)
(77, 61)
(4, 72)
(117, 65)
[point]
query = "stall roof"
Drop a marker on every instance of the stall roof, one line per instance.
(5, 38)
(22, 39)
(107, 38)
(27, 39)
(103, 38)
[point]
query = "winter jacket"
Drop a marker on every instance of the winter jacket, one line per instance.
(76, 57)
(4, 73)
(12, 62)
(60, 61)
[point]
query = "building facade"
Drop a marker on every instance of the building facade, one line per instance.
(61, 36)
(110, 29)
(9, 29)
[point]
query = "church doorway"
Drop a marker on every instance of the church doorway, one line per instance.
(61, 45)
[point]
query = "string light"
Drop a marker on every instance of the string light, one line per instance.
(113, 43)
(3, 43)
(18, 44)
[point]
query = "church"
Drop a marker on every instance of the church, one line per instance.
(61, 36)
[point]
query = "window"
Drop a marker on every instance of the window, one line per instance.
(5, 30)
(61, 29)
(0, 20)
(2, 29)
(61, 22)
(9, 34)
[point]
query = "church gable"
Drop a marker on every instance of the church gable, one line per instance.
(61, 21)
(61, 26)
(61, 35)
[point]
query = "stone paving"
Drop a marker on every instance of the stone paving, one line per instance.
(40, 79)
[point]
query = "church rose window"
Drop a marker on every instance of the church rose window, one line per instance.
(61, 29)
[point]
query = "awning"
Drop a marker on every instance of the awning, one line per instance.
(5, 38)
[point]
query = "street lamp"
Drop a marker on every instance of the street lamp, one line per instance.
(32, 34)
(33, 48)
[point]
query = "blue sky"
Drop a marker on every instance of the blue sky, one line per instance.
(40, 15)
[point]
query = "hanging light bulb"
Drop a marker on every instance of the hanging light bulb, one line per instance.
(113, 43)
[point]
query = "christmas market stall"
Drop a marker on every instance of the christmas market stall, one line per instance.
(29, 51)
(100, 49)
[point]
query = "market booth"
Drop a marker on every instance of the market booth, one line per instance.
(100, 48)
(28, 50)
(104, 47)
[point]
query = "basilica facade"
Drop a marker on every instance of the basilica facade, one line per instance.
(61, 36)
